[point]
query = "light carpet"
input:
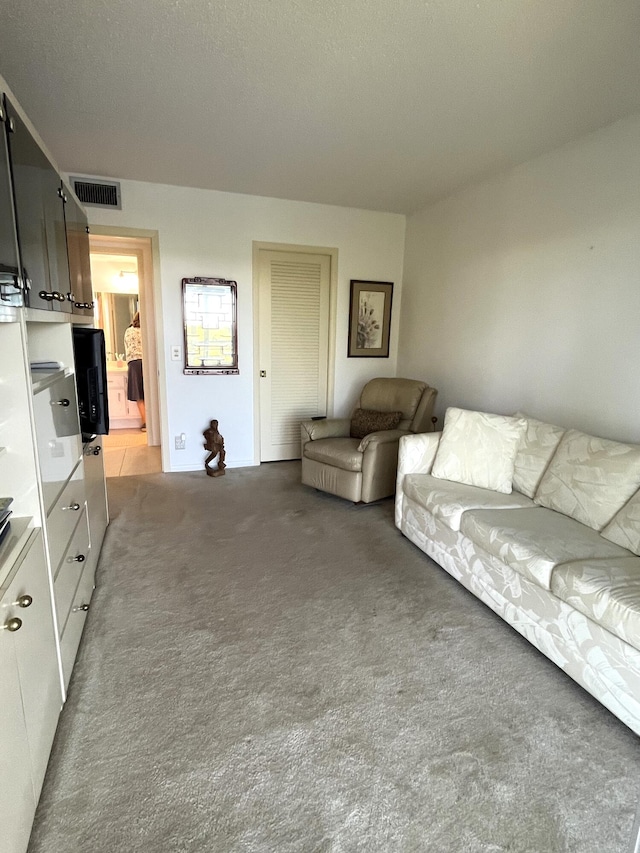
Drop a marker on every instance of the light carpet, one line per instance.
(268, 669)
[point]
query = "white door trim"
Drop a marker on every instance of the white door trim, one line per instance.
(332, 253)
(144, 244)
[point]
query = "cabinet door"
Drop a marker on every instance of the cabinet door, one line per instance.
(35, 645)
(10, 282)
(40, 218)
(31, 692)
(77, 227)
(57, 237)
(117, 395)
(17, 798)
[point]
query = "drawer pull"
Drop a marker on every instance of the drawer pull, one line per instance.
(74, 506)
(13, 624)
(79, 559)
(24, 601)
(64, 402)
(81, 608)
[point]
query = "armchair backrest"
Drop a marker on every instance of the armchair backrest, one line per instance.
(415, 399)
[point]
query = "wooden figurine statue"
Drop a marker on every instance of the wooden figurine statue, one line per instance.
(215, 445)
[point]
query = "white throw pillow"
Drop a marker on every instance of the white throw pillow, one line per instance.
(539, 442)
(590, 479)
(479, 449)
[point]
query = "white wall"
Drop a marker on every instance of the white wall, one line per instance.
(523, 291)
(206, 233)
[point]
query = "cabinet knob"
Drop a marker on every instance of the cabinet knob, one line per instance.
(81, 608)
(96, 450)
(13, 624)
(64, 402)
(48, 295)
(75, 506)
(79, 559)
(24, 601)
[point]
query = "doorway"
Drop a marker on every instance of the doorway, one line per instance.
(294, 299)
(122, 283)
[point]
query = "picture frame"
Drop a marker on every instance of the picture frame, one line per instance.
(210, 326)
(369, 319)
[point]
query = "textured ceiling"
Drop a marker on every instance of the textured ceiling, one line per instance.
(380, 104)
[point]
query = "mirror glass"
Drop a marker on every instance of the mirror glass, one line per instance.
(210, 337)
(116, 311)
(115, 287)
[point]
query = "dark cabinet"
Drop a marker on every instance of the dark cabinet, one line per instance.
(39, 211)
(77, 229)
(10, 281)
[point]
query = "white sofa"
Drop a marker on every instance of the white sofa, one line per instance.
(556, 557)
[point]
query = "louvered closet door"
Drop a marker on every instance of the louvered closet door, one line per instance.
(294, 347)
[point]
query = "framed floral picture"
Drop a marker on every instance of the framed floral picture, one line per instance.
(369, 319)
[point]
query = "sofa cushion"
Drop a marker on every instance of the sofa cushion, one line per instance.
(537, 446)
(338, 452)
(478, 449)
(534, 541)
(447, 500)
(607, 591)
(590, 478)
(624, 527)
(366, 421)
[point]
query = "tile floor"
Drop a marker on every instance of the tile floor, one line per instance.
(126, 453)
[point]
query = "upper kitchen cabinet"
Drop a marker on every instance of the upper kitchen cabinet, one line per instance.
(39, 211)
(10, 282)
(77, 227)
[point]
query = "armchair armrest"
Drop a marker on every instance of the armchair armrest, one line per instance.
(326, 428)
(386, 436)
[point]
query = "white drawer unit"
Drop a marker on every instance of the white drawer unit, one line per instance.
(57, 431)
(63, 516)
(68, 573)
(75, 623)
(95, 489)
(55, 521)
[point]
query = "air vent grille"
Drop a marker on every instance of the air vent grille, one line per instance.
(97, 193)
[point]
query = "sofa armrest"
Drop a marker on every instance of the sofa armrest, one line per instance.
(326, 428)
(386, 436)
(417, 453)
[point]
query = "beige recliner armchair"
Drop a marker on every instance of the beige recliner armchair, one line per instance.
(363, 469)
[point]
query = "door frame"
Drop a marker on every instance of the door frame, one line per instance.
(144, 245)
(291, 248)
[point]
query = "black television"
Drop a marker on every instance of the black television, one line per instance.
(91, 381)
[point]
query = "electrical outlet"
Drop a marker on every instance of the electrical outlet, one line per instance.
(181, 442)
(176, 352)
